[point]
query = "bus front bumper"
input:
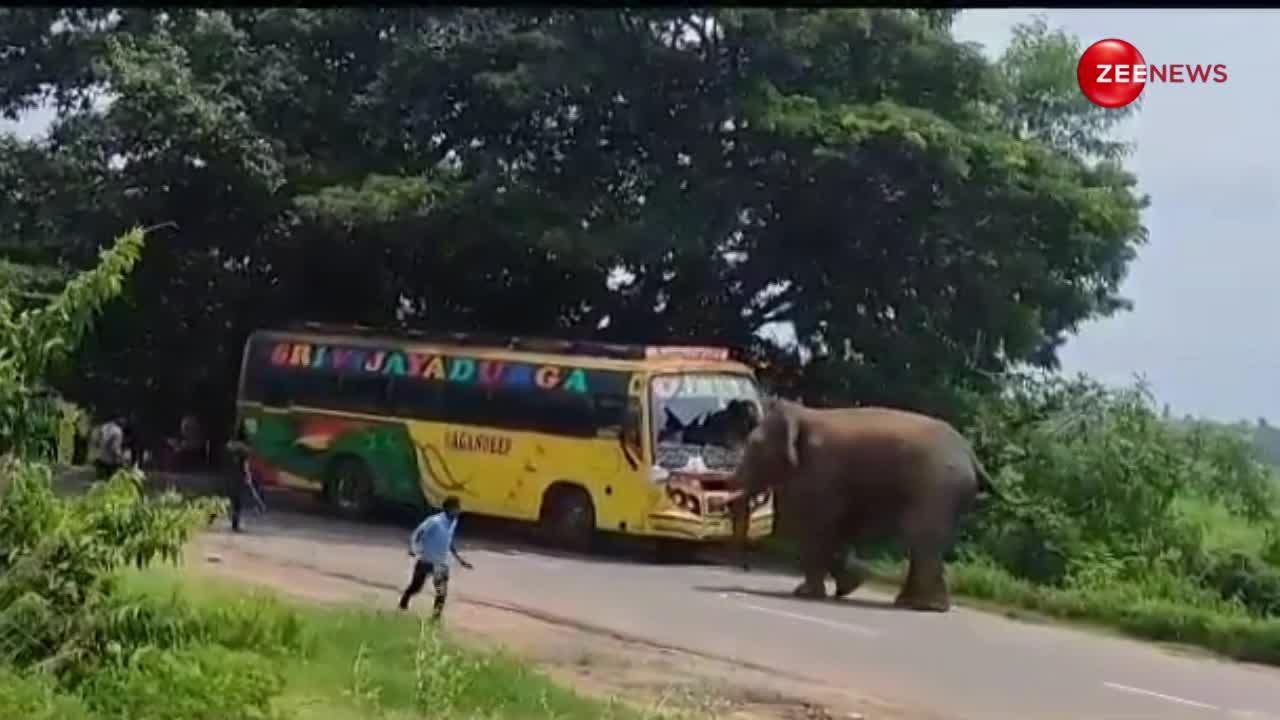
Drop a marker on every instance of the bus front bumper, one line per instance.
(683, 525)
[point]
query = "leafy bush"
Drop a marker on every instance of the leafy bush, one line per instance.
(1114, 514)
(35, 341)
(1247, 579)
(1095, 476)
(59, 558)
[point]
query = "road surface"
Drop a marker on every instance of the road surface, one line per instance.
(966, 664)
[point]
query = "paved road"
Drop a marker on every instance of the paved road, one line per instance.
(965, 664)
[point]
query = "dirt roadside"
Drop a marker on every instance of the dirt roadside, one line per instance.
(597, 664)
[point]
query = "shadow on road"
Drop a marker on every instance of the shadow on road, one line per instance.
(863, 603)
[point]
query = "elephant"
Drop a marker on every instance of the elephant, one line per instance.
(852, 474)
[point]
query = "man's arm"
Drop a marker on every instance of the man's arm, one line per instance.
(415, 536)
(453, 548)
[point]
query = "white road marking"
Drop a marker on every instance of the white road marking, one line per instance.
(847, 627)
(1161, 696)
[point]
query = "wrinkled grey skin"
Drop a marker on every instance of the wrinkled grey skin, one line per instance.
(852, 474)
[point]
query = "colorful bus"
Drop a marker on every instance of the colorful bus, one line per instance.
(577, 437)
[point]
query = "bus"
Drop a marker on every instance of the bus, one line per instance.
(576, 437)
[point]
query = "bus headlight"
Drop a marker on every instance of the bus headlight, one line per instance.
(685, 501)
(758, 500)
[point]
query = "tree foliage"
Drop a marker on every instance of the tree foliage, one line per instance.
(923, 216)
(36, 341)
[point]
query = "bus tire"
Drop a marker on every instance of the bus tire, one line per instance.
(568, 518)
(349, 487)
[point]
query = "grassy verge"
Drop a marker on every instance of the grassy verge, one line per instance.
(1161, 612)
(1134, 609)
(201, 650)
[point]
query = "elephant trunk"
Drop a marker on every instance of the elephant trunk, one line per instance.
(740, 517)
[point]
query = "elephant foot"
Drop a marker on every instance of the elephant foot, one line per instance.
(847, 582)
(809, 590)
(938, 604)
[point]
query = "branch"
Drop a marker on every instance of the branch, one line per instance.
(44, 335)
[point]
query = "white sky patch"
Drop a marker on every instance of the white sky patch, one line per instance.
(619, 278)
(1206, 155)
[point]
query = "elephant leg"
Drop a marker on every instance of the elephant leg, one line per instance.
(927, 530)
(816, 554)
(926, 587)
(849, 573)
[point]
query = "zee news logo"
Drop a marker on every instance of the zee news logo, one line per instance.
(1112, 73)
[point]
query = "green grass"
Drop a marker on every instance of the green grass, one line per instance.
(375, 663)
(218, 651)
(1223, 530)
(1168, 610)
(1135, 609)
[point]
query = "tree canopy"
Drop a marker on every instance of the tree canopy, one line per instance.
(925, 217)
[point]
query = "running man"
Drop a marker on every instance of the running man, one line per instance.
(432, 544)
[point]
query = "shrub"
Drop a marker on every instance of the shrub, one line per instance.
(206, 682)
(1247, 579)
(59, 559)
(35, 341)
(1095, 476)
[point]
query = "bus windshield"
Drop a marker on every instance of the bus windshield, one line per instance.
(702, 414)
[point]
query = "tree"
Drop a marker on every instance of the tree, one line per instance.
(924, 217)
(35, 342)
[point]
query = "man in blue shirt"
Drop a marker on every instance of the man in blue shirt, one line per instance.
(432, 543)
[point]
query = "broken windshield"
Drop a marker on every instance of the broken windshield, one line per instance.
(703, 415)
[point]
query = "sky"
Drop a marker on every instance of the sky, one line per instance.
(1207, 156)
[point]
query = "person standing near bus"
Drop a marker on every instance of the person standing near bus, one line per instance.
(432, 544)
(106, 447)
(236, 477)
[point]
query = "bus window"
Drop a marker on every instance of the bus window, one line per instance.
(310, 389)
(531, 410)
(360, 393)
(548, 412)
(415, 399)
(274, 391)
(468, 405)
(697, 411)
(610, 414)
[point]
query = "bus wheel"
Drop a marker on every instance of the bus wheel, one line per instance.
(568, 519)
(350, 487)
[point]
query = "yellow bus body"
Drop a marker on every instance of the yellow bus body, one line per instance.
(408, 454)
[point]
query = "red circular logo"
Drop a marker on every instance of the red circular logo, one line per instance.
(1108, 73)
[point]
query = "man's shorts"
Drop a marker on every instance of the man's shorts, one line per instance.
(439, 576)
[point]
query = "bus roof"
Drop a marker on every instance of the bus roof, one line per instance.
(661, 356)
